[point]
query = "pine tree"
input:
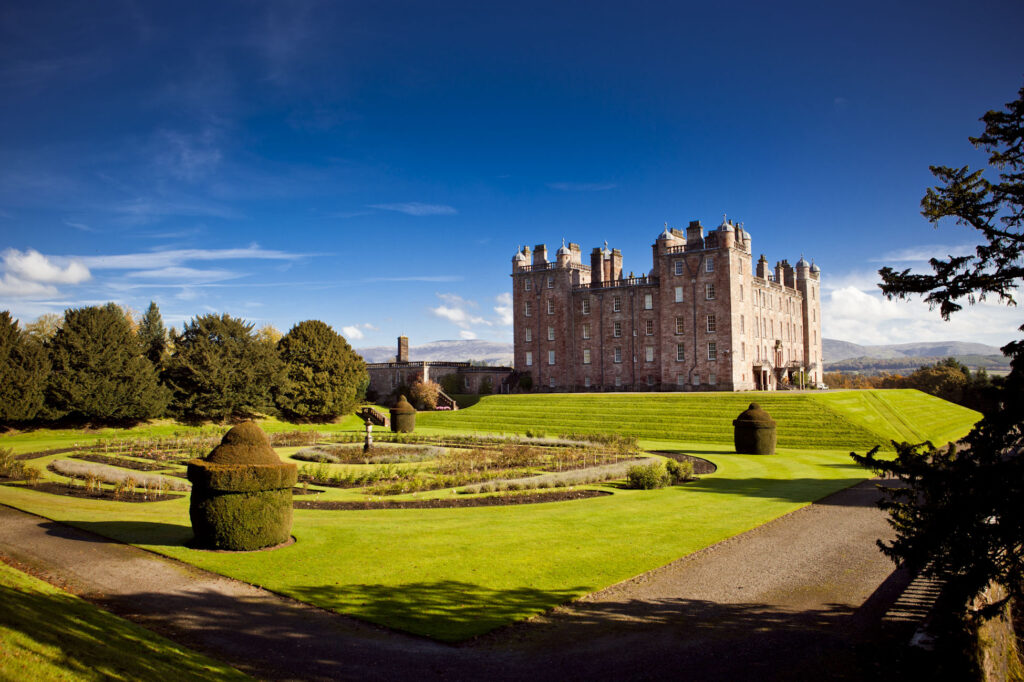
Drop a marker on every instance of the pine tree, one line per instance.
(959, 513)
(152, 335)
(99, 372)
(325, 377)
(220, 370)
(24, 367)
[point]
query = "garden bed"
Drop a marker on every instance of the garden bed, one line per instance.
(55, 488)
(447, 503)
(700, 466)
(122, 462)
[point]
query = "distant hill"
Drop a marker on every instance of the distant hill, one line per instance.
(834, 350)
(489, 352)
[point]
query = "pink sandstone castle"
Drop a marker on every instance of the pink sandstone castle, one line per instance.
(704, 318)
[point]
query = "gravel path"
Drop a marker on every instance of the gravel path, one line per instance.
(798, 598)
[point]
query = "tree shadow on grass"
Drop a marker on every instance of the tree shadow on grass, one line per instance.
(130, 532)
(787, 490)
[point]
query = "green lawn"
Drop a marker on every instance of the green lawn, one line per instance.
(48, 634)
(454, 573)
(839, 419)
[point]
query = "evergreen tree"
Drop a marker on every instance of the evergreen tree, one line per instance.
(959, 513)
(24, 367)
(325, 377)
(220, 370)
(99, 371)
(152, 335)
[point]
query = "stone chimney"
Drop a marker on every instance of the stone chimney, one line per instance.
(540, 254)
(403, 349)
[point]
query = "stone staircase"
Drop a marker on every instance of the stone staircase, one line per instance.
(445, 402)
(375, 417)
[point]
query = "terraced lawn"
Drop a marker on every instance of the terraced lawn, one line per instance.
(840, 419)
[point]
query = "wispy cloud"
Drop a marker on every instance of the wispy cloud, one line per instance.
(189, 275)
(79, 226)
(187, 156)
(415, 278)
(582, 186)
(416, 208)
(467, 335)
(456, 309)
(923, 253)
(149, 260)
(504, 308)
(144, 209)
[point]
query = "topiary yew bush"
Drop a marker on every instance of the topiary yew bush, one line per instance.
(241, 493)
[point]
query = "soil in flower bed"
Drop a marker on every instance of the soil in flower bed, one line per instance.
(122, 462)
(445, 503)
(300, 490)
(75, 491)
(700, 466)
(44, 453)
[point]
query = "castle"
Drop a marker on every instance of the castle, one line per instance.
(705, 317)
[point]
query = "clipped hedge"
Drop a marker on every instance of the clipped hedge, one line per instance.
(231, 478)
(242, 521)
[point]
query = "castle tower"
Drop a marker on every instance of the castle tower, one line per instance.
(808, 282)
(403, 349)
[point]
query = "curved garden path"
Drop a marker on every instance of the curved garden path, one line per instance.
(798, 598)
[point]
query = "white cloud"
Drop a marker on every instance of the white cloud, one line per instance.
(455, 310)
(582, 186)
(467, 335)
(186, 156)
(352, 332)
(504, 309)
(148, 260)
(456, 315)
(924, 253)
(189, 275)
(416, 208)
(19, 288)
(35, 267)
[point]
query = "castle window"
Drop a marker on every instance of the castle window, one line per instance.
(680, 353)
(649, 327)
(650, 380)
(551, 333)
(527, 309)
(709, 264)
(648, 301)
(680, 325)
(712, 350)
(617, 329)
(743, 351)
(586, 330)
(678, 265)
(465, 382)
(529, 359)
(618, 381)
(741, 292)
(586, 356)
(527, 285)
(616, 304)
(586, 306)
(528, 335)
(551, 306)
(709, 291)
(649, 354)
(741, 324)
(551, 357)
(711, 325)
(586, 381)
(680, 379)
(551, 282)
(679, 294)
(712, 379)
(617, 354)
(696, 379)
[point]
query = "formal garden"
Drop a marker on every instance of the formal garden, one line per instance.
(474, 521)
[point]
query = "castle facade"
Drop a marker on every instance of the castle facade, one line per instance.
(705, 318)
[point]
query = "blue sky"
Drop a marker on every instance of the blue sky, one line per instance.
(376, 164)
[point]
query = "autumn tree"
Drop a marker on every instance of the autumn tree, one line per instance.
(325, 378)
(99, 371)
(958, 512)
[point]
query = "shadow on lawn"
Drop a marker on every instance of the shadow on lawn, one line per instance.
(651, 638)
(792, 489)
(130, 532)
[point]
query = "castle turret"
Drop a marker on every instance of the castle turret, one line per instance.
(726, 234)
(564, 256)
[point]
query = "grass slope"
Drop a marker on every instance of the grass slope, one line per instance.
(455, 573)
(842, 419)
(48, 634)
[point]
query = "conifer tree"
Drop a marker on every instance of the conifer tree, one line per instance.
(325, 377)
(153, 335)
(24, 367)
(99, 371)
(220, 370)
(959, 512)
